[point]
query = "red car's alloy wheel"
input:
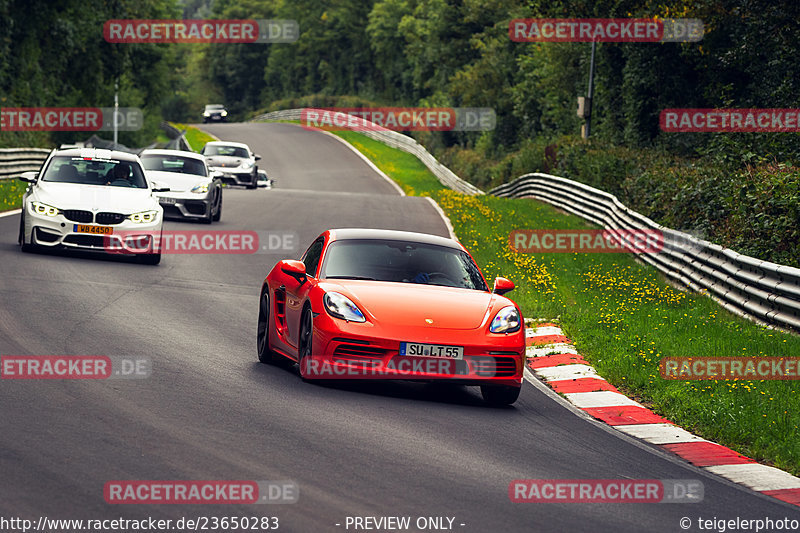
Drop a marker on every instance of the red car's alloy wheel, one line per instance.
(306, 341)
(264, 353)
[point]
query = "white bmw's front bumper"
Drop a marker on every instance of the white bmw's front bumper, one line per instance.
(60, 231)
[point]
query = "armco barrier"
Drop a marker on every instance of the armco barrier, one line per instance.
(178, 138)
(401, 142)
(766, 292)
(15, 161)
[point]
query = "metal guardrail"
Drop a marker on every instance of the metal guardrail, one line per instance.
(395, 140)
(15, 161)
(760, 290)
(178, 138)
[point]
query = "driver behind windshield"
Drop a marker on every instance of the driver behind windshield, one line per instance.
(121, 176)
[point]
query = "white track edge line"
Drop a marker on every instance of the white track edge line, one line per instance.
(444, 217)
(199, 127)
(399, 189)
(363, 157)
(9, 213)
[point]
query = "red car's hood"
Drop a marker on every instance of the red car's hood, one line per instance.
(409, 304)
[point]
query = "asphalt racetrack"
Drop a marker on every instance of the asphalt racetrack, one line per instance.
(210, 411)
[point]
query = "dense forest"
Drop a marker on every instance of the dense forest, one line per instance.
(458, 53)
(420, 52)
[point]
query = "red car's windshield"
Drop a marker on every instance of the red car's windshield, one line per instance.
(401, 261)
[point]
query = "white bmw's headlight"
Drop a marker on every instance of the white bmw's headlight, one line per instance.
(43, 209)
(341, 306)
(206, 114)
(200, 188)
(506, 320)
(145, 217)
(247, 164)
(224, 113)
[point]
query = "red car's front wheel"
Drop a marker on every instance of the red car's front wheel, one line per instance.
(265, 354)
(306, 342)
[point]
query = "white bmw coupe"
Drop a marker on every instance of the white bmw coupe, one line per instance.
(92, 199)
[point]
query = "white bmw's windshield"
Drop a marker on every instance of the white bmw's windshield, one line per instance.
(91, 171)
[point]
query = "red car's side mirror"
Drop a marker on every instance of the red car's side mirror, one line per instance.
(296, 269)
(503, 285)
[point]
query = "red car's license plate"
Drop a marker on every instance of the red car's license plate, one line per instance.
(439, 351)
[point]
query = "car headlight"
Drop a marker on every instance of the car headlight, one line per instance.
(201, 188)
(224, 113)
(206, 114)
(506, 320)
(144, 217)
(43, 209)
(341, 306)
(247, 164)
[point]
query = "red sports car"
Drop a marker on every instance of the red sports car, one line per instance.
(372, 304)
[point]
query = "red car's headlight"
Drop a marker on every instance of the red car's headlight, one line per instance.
(506, 320)
(340, 306)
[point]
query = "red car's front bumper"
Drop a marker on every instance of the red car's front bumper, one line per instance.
(346, 350)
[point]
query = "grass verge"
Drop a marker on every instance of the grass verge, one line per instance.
(624, 317)
(11, 191)
(194, 136)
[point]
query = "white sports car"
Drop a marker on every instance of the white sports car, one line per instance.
(91, 199)
(195, 192)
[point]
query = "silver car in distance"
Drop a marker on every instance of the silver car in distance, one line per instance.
(195, 191)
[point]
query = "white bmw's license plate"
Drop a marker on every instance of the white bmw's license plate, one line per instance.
(97, 230)
(439, 351)
(167, 201)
